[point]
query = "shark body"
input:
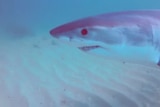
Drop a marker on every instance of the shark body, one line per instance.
(139, 28)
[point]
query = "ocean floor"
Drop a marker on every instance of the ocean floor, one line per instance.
(41, 71)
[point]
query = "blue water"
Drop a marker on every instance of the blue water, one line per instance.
(39, 16)
(45, 82)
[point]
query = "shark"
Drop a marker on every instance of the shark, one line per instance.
(125, 30)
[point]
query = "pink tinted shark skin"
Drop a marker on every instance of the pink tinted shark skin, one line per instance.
(145, 23)
(139, 17)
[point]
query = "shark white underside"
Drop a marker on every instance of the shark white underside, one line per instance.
(124, 49)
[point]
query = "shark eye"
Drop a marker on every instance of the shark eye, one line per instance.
(84, 32)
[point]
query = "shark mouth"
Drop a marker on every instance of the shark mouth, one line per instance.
(87, 48)
(83, 44)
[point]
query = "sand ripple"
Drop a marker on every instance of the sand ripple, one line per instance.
(41, 72)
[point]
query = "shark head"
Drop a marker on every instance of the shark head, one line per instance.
(133, 28)
(92, 28)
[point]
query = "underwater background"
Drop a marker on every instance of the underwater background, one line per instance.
(39, 16)
(37, 70)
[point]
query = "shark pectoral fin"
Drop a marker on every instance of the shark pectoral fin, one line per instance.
(158, 63)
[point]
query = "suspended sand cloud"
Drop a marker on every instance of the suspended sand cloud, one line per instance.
(43, 72)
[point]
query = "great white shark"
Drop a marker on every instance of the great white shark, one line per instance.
(136, 28)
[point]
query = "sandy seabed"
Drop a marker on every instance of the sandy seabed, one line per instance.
(43, 72)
